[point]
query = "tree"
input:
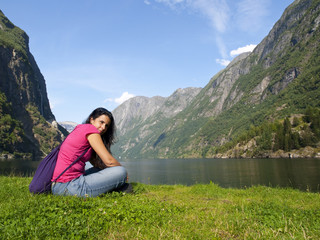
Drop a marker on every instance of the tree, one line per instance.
(287, 143)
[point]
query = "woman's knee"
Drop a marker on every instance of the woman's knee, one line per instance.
(121, 171)
(118, 172)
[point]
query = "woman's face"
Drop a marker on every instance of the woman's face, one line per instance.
(101, 123)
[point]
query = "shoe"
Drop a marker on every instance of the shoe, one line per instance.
(126, 188)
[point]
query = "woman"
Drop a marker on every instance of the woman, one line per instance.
(96, 135)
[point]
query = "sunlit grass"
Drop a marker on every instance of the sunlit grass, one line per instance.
(160, 212)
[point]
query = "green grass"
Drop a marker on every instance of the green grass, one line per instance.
(160, 212)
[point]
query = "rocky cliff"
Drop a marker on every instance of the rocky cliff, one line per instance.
(25, 91)
(137, 110)
(280, 77)
(138, 117)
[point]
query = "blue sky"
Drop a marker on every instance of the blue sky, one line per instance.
(96, 53)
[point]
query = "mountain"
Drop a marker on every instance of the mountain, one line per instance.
(140, 117)
(278, 79)
(68, 125)
(28, 127)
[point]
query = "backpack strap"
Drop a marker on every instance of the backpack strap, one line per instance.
(78, 158)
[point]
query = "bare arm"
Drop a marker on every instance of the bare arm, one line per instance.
(98, 146)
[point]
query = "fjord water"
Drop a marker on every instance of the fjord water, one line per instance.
(303, 174)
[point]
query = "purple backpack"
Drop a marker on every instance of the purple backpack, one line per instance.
(41, 182)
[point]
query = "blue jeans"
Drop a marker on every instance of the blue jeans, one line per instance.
(93, 182)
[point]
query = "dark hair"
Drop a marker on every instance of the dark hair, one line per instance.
(108, 137)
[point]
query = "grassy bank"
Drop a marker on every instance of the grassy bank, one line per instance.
(160, 212)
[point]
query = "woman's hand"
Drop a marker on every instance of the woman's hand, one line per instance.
(96, 143)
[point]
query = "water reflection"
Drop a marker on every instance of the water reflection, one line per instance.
(20, 167)
(303, 174)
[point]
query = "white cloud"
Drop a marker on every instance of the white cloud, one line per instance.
(216, 11)
(147, 2)
(222, 47)
(170, 3)
(173, 4)
(223, 62)
(233, 53)
(124, 97)
(250, 14)
(247, 48)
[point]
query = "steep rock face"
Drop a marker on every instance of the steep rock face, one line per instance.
(135, 110)
(178, 101)
(138, 110)
(140, 117)
(220, 92)
(281, 35)
(224, 91)
(273, 80)
(24, 87)
(23, 83)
